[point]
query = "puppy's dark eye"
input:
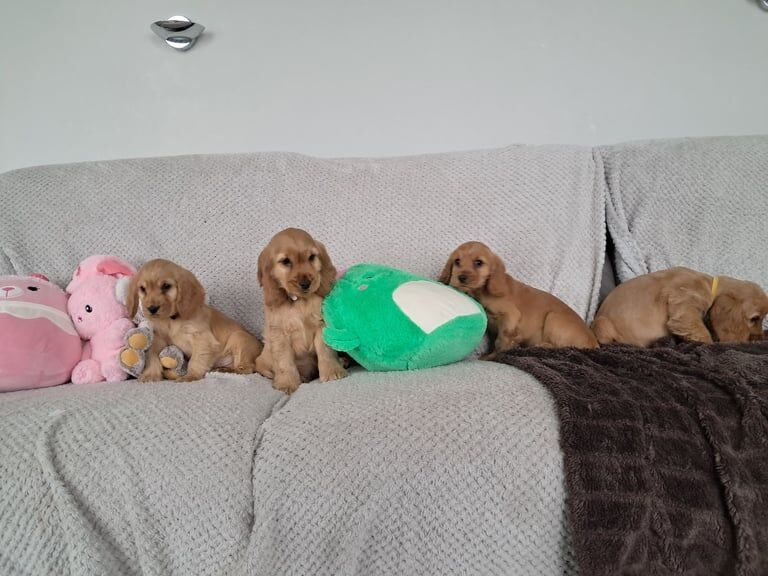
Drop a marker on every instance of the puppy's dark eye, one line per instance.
(286, 262)
(165, 287)
(32, 288)
(457, 261)
(142, 290)
(755, 319)
(312, 257)
(88, 308)
(478, 263)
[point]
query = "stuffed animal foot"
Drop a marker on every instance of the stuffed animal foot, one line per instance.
(87, 372)
(133, 356)
(139, 338)
(173, 361)
(132, 361)
(113, 372)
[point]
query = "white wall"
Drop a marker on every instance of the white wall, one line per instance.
(87, 79)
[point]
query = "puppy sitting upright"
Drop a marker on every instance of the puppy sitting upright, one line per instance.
(296, 274)
(173, 301)
(680, 301)
(518, 314)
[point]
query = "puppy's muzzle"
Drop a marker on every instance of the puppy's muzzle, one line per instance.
(153, 309)
(304, 284)
(463, 278)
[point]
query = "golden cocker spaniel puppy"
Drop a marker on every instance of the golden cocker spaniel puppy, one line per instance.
(518, 314)
(173, 301)
(685, 303)
(296, 274)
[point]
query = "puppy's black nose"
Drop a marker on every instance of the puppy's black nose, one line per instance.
(153, 309)
(304, 284)
(463, 278)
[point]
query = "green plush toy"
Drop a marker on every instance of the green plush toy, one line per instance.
(387, 319)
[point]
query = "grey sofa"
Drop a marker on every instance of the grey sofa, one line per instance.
(453, 470)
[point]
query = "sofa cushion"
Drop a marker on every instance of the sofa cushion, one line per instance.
(129, 478)
(701, 203)
(541, 208)
(451, 470)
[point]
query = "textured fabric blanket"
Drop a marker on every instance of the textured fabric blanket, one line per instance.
(213, 214)
(127, 478)
(453, 470)
(666, 455)
(696, 202)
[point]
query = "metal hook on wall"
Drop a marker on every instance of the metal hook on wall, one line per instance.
(178, 32)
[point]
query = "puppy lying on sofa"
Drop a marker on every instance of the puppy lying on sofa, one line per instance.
(173, 301)
(685, 303)
(518, 314)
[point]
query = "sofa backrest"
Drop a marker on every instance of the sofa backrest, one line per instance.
(540, 208)
(701, 203)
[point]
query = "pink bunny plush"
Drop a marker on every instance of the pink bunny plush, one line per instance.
(100, 318)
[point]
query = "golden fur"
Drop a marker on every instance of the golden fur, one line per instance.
(173, 301)
(679, 301)
(518, 314)
(296, 274)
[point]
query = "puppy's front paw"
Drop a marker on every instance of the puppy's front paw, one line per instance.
(287, 383)
(244, 368)
(263, 369)
(334, 372)
(489, 357)
(151, 376)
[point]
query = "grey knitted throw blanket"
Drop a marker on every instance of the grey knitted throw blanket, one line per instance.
(666, 455)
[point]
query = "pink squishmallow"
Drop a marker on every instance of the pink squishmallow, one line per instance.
(97, 311)
(39, 345)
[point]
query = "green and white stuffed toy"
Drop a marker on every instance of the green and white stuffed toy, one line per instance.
(388, 319)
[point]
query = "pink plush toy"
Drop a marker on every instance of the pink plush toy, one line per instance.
(95, 306)
(38, 343)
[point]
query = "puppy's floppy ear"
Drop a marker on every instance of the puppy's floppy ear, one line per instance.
(445, 275)
(190, 294)
(132, 296)
(327, 272)
(727, 319)
(497, 280)
(272, 293)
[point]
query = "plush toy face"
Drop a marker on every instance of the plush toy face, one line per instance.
(93, 305)
(38, 341)
(388, 319)
(32, 290)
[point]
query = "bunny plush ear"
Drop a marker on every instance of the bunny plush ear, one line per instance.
(121, 290)
(99, 265)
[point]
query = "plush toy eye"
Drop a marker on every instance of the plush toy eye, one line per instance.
(165, 287)
(478, 263)
(32, 288)
(457, 261)
(285, 261)
(88, 308)
(312, 257)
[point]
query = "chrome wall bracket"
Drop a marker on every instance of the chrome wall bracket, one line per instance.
(178, 32)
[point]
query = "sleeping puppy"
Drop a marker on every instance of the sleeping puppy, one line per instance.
(683, 302)
(173, 301)
(518, 314)
(296, 274)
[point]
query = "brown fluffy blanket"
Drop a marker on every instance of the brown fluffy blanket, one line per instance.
(666, 455)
